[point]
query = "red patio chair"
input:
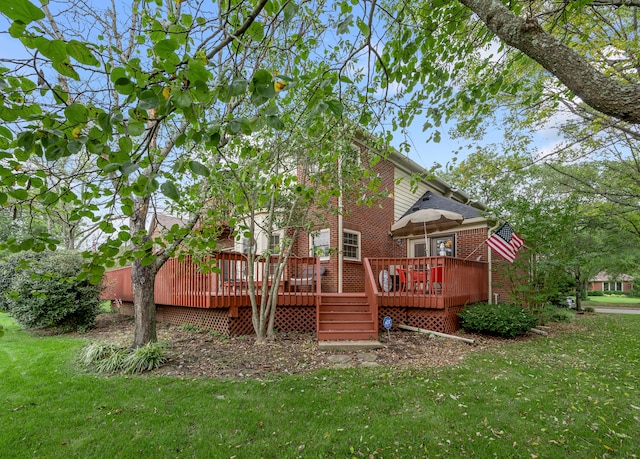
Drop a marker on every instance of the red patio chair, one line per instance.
(402, 279)
(419, 280)
(436, 276)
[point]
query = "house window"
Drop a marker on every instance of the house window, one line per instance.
(351, 245)
(612, 286)
(443, 246)
(274, 243)
(319, 244)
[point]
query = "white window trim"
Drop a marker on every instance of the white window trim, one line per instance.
(312, 253)
(359, 247)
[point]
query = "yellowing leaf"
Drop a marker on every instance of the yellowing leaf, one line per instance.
(76, 132)
(279, 85)
(166, 92)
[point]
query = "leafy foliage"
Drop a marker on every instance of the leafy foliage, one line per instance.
(111, 358)
(503, 319)
(43, 290)
(555, 314)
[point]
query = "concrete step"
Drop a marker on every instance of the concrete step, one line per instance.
(348, 345)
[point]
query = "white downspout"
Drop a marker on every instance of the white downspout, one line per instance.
(340, 241)
(340, 228)
(489, 231)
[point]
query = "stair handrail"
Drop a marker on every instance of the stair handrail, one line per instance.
(371, 291)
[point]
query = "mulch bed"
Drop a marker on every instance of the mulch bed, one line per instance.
(200, 353)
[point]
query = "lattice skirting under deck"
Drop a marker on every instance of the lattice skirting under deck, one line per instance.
(296, 318)
(440, 320)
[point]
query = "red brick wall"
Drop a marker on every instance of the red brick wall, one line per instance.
(373, 223)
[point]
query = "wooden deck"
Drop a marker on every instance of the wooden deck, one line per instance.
(402, 286)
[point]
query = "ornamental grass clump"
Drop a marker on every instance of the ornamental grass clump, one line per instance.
(504, 319)
(112, 358)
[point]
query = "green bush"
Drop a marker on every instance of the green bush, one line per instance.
(555, 314)
(506, 320)
(633, 293)
(111, 358)
(595, 293)
(41, 290)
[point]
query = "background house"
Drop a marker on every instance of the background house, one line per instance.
(605, 282)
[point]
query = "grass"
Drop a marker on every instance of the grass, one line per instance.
(612, 301)
(570, 396)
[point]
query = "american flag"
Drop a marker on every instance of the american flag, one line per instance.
(506, 242)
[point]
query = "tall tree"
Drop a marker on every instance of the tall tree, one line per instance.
(146, 96)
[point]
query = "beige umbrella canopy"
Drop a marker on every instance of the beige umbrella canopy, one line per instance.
(425, 221)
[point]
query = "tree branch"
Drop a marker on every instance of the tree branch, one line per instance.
(604, 94)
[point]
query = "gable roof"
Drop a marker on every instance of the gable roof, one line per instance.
(431, 200)
(603, 276)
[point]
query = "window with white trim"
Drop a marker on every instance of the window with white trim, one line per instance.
(319, 244)
(612, 286)
(351, 245)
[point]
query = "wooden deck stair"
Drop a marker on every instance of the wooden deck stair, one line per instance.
(345, 316)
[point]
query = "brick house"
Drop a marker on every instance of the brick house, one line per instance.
(605, 282)
(358, 254)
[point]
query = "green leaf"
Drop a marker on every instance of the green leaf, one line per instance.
(19, 193)
(56, 50)
(262, 77)
(65, 69)
(238, 87)
(76, 113)
(256, 31)
(135, 128)
(183, 99)
(148, 99)
(124, 85)
(234, 126)
(17, 28)
(21, 10)
(81, 53)
(275, 122)
(335, 106)
(165, 47)
(125, 144)
(199, 168)
(49, 198)
(128, 168)
(364, 28)
(170, 191)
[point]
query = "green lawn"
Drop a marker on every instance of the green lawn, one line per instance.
(613, 301)
(573, 396)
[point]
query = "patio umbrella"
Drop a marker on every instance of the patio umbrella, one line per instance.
(424, 221)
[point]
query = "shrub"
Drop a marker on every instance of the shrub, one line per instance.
(111, 358)
(595, 293)
(555, 314)
(506, 320)
(43, 291)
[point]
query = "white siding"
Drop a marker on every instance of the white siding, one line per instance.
(403, 198)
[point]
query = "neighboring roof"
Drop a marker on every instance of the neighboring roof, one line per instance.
(602, 276)
(431, 200)
(167, 221)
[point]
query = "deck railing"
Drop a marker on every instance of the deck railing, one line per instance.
(427, 282)
(223, 280)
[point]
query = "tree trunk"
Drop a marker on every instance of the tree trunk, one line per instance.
(578, 294)
(142, 282)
